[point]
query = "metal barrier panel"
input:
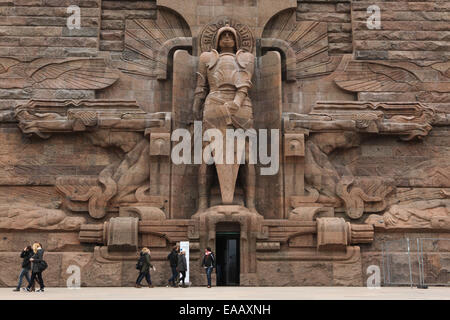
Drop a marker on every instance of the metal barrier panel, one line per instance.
(434, 261)
(398, 264)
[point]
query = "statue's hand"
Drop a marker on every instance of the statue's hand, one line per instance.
(232, 106)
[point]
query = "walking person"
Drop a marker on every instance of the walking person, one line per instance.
(26, 254)
(173, 260)
(182, 267)
(144, 266)
(39, 265)
(209, 263)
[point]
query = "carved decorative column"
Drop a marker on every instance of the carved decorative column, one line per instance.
(294, 167)
(160, 164)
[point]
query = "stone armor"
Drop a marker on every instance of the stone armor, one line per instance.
(225, 74)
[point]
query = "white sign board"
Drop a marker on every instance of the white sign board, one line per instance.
(184, 246)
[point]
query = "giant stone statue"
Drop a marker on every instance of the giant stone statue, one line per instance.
(222, 102)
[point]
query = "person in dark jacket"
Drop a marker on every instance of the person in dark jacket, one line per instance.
(182, 267)
(145, 270)
(36, 270)
(209, 262)
(173, 260)
(26, 254)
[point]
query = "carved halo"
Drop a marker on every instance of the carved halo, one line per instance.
(208, 35)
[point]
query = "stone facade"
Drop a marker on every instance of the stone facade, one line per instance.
(87, 116)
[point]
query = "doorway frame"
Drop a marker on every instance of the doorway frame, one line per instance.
(225, 236)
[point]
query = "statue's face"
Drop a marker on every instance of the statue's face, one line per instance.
(227, 40)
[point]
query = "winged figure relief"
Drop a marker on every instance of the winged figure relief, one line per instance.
(431, 83)
(44, 73)
(372, 77)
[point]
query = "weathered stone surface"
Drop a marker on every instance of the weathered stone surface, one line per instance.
(347, 274)
(87, 117)
(45, 25)
(416, 24)
(295, 273)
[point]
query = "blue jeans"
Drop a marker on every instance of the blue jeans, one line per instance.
(143, 275)
(208, 274)
(24, 273)
(174, 276)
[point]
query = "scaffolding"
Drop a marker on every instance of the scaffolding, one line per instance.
(396, 261)
(434, 264)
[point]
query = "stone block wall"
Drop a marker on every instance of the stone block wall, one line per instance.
(410, 30)
(34, 28)
(113, 16)
(391, 158)
(38, 162)
(31, 29)
(337, 14)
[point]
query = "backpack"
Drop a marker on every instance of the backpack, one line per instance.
(210, 260)
(43, 265)
(140, 262)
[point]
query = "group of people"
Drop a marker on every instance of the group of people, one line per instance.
(32, 260)
(178, 266)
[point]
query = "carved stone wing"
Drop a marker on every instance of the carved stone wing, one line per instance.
(373, 77)
(74, 74)
(304, 44)
(12, 73)
(148, 44)
(7, 63)
(44, 73)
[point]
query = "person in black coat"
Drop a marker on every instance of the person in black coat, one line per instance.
(209, 262)
(173, 260)
(144, 272)
(36, 270)
(26, 266)
(182, 267)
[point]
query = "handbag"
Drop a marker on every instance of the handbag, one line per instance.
(140, 263)
(43, 265)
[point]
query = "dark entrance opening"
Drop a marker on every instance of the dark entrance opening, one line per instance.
(228, 254)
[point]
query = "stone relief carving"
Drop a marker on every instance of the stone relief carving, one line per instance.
(117, 183)
(32, 217)
(106, 124)
(422, 214)
(134, 184)
(332, 125)
(209, 34)
(431, 173)
(45, 73)
(304, 43)
(44, 117)
(431, 84)
(222, 101)
(149, 42)
(407, 120)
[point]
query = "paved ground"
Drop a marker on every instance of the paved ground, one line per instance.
(233, 293)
